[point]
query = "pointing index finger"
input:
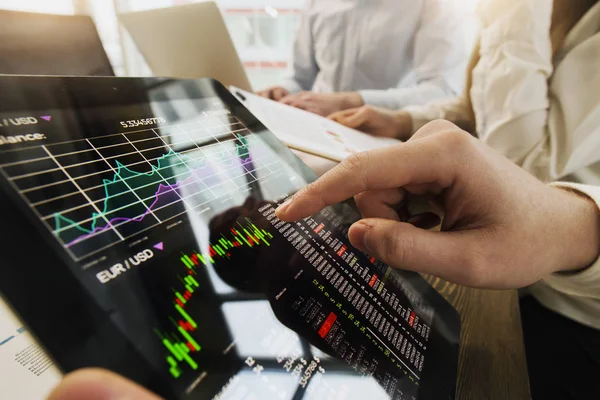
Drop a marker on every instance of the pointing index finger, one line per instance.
(420, 161)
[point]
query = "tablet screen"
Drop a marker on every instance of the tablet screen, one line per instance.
(141, 226)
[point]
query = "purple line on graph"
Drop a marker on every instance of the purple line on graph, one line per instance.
(162, 189)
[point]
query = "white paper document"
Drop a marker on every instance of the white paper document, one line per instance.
(26, 372)
(309, 132)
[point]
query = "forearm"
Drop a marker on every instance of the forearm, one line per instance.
(456, 110)
(420, 94)
(577, 241)
(574, 290)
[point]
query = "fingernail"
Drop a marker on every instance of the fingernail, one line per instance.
(281, 210)
(357, 235)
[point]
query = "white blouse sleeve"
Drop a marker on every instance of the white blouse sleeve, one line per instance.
(587, 282)
(574, 295)
(455, 110)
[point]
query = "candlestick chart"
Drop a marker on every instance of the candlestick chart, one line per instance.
(179, 343)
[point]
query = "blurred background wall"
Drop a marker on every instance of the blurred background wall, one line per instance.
(262, 30)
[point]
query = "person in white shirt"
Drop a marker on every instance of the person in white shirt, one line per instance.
(532, 90)
(389, 53)
(503, 228)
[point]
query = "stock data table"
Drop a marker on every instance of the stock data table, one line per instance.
(492, 362)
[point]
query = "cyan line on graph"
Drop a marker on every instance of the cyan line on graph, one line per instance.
(63, 223)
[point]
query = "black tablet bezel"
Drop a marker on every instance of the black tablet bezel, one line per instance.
(40, 288)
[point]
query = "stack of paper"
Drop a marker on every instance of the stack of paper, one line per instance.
(309, 132)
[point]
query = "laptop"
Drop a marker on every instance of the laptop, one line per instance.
(189, 41)
(45, 44)
(139, 235)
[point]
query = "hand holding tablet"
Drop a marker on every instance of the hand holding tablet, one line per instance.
(488, 212)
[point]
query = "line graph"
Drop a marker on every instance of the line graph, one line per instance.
(136, 181)
(98, 192)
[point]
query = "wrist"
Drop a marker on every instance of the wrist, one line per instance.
(403, 124)
(351, 100)
(578, 231)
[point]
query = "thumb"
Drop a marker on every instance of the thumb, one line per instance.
(339, 116)
(404, 246)
(336, 116)
(97, 384)
(356, 119)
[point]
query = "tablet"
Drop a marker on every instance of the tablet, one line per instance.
(187, 41)
(138, 234)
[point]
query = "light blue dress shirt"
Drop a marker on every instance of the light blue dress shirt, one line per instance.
(395, 52)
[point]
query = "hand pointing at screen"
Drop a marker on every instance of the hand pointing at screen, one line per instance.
(502, 228)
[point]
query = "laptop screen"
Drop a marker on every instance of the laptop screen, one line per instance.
(46, 44)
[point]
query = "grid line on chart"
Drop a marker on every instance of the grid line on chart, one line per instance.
(84, 194)
(104, 171)
(183, 161)
(183, 212)
(204, 171)
(246, 129)
(220, 143)
(195, 144)
(118, 194)
(166, 220)
(122, 180)
(158, 172)
(46, 217)
(162, 177)
(83, 140)
(35, 210)
(18, 177)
